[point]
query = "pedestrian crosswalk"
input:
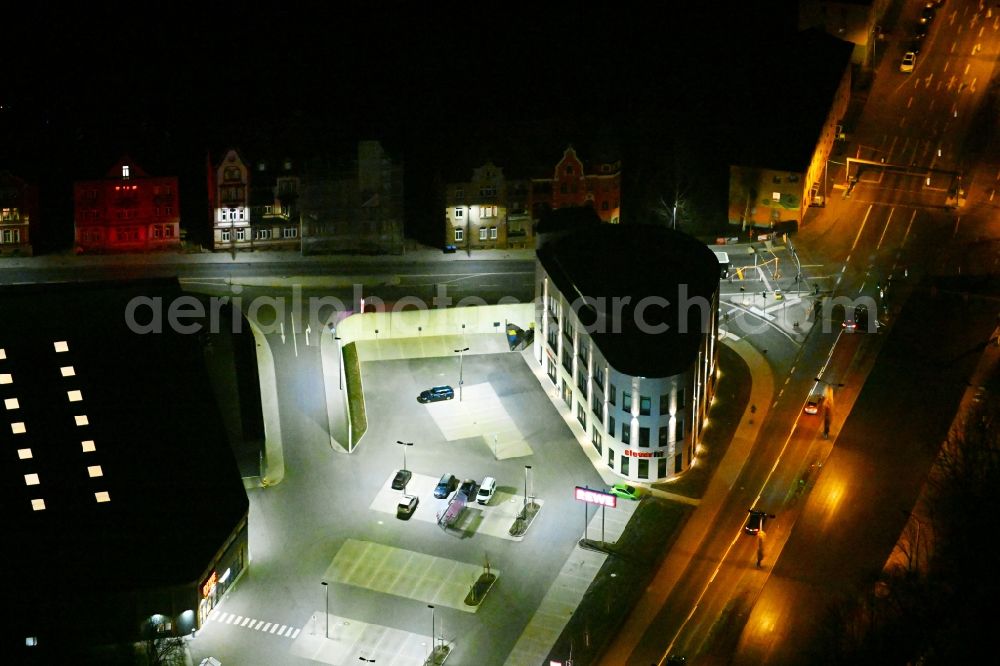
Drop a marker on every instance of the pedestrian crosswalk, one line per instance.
(263, 626)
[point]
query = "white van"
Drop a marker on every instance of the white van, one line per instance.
(486, 490)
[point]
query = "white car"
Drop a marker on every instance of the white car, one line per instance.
(909, 60)
(486, 490)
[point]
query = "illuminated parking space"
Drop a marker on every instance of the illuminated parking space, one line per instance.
(404, 573)
(479, 413)
(493, 519)
(352, 641)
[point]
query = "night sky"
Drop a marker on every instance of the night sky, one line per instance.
(445, 85)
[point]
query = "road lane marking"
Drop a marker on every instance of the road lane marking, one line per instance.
(863, 222)
(907, 234)
(884, 230)
(739, 532)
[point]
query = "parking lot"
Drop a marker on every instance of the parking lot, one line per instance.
(333, 520)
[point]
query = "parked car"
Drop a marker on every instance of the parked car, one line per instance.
(406, 507)
(625, 490)
(445, 486)
(921, 30)
(908, 62)
(401, 479)
(927, 15)
(450, 249)
(486, 490)
(755, 522)
(915, 46)
(469, 488)
(813, 403)
(436, 394)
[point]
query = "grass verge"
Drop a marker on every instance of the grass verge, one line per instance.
(355, 394)
(621, 581)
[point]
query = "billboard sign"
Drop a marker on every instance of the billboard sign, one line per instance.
(596, 497)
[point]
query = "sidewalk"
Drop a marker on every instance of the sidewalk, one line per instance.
(421, 255)
(696, 528)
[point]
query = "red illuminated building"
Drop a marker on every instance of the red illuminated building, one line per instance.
(127, 210)
(572, 185)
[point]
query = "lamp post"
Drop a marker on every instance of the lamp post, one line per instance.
(340, 365)
(433, 639)
(526, 468)
(404, 445)
(327, 588)
(461, 363)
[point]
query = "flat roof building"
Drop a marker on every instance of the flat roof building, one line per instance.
(628, 319)
(123, 508)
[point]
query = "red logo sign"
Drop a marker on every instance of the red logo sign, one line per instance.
(596, 497)
(206, 589)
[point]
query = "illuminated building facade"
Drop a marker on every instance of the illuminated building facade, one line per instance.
(629, 341)
(127, 210)
(18, 215)
(572, 185)
(855, 21)
(254, 206)
(781, 162)
(488, 212)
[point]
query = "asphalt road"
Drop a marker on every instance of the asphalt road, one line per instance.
(877, 243)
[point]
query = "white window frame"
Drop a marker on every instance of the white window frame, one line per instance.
(459, 212)
(226, 235)
(241, 234)
(482, 233)
(290, 232)
(459, 235)
(493, 233)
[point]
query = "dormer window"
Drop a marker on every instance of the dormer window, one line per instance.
(125, 170)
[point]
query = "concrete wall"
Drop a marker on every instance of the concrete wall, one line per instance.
(434, 321)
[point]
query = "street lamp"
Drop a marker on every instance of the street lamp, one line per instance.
(404, 444)
(433, 640)
(526, 468)
(340, 358)
(340, 365)
(461, 362)
(327, 588)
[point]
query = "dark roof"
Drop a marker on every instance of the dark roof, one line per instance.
(782, 114)
(617, 261)
(175, 491)
(573, 218)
